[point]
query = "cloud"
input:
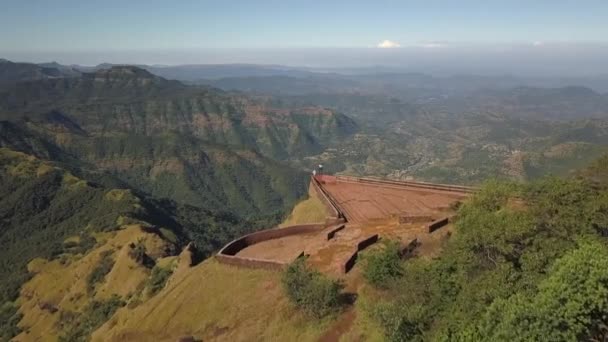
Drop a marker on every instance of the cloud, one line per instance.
(538, 43)
(388, 44)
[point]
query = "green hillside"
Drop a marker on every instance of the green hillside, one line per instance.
(43, 207)
(130, 100)
(182, 168)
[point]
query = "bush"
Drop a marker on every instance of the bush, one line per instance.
(137, 251)
(381, 266)
(9, 318)
(100, 271)
(311, 291)
(79, 326)
(158, 279)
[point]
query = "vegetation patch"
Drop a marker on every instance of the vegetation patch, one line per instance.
(78, 327)
(311, 291)
(510, 273)
(158, 279)
(104, 266)
(382, 265)
(9, 318)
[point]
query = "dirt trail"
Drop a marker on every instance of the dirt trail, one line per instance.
(341, 326)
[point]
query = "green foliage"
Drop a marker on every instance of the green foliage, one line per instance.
(98, 274)
(571, 304)
(84, 243)
(9, 317)
(40, 211)
(137, 251)
(158, 279)
(311, 291)
(78, 327)
(498, 278)
(383, 265)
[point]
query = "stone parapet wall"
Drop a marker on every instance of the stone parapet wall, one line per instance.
(228, 254)
(332, 233)
(330, 206)
(237, 245)
(433, 226)
(412, 184)
(250, 262)
(363, 244)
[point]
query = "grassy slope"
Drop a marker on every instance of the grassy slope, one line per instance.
(310, 210)
(214, 301)
(60, 285)
(40, 206)
(209, 300)
(47, 213)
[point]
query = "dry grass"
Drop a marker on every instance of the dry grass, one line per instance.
(62, 283)
(216, 302)
(310, 210)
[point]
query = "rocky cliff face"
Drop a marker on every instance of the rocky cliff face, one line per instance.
(131, 100)
(196, 145)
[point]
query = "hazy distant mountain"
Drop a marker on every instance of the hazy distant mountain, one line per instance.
(194, 73)
(306, 80)
(572, 102)
(11, 72)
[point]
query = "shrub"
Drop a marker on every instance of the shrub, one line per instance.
(9, 318)
(138, 251)
(311, 291)
(158, 279)
(383, 265)
(100, 271)
(79, 326)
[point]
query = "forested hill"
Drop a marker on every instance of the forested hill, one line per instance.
(126, 99)
(195, 145)
(47, 212)
(123, 150)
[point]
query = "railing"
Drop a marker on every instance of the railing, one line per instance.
(326, 199)
(423, 185)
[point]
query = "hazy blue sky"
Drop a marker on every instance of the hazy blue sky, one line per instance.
(210, 31)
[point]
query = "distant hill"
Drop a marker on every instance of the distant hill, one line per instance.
(565, 103)
(11, 73)
(131, 100)
(196, 72)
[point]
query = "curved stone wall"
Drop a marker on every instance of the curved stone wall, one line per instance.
(228, 254)
(237, 245)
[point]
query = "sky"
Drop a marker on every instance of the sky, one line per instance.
(295, 32)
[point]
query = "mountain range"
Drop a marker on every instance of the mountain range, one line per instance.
(111, 171)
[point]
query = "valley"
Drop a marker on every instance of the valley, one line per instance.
(124, 193)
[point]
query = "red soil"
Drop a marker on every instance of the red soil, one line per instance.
(364, 202)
